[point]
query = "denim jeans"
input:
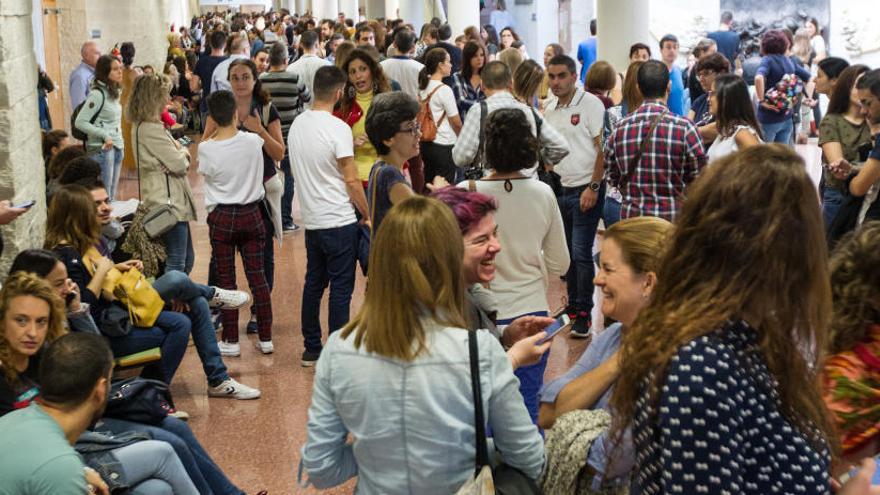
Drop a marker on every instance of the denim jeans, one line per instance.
(111, 164)
(179, 248)
(202, 470)
(611, 211)
(177, 285)
(580, 232)
(151, 461)
(779, 132)
(170, 333)
(831, 200)
(330, 260)
(287, 197)
(531, 378)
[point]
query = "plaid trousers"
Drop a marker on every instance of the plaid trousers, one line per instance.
(242, 227)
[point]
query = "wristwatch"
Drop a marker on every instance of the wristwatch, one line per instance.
(593, 186)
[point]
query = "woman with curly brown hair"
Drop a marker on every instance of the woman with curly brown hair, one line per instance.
(851, 374)
(719, 376)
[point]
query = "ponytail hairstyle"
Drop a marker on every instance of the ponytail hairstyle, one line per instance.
(433, 59)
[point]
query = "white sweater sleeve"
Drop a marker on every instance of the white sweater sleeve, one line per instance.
(556, 255)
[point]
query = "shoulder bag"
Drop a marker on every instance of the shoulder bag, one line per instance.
(642, 146)
(476, 170)
(365, 233)
(158, 219)
(139, 400)
(425, 118)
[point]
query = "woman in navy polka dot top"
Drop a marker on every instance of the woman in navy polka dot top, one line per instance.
(719, 372)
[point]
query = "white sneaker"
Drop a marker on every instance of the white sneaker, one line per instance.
(264, 347)
(228, 299)
(228, 349)
(233, 389)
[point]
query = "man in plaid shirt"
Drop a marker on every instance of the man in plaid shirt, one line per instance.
(653, 175)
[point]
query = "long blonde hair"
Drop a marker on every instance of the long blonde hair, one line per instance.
(28, 284)
(641, 240)
(147, 98)
(415, 273)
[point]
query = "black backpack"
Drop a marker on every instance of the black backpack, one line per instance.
(76, 133)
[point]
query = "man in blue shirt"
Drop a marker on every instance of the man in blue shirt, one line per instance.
(726, 39)
(82, 75)
(587, 51)
(669, 54)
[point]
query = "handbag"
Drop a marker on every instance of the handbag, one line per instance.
(425, 118)
(158, 219)
(114, 321)
(140, 298)
(365, 233)
(140, 400)
(502, 479)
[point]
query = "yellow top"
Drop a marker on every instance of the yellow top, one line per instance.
(364, 155)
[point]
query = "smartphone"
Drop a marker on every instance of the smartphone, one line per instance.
(554, 328)
(874, 481)
(26, 204)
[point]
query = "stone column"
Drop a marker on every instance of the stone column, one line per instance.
(350, 8)
(326, 9)
(21, 161)
(413, 11)
(374, 9)
(620, 23)
(391, 8)
(461, 14)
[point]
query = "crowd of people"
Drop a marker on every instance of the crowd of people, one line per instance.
(740, 344)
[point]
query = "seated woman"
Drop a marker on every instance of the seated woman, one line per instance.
(626, 276)
(31, 316)
(401, 369)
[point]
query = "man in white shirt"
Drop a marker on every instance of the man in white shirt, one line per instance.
(309, 63)
(327, 184)
(240, 48)
(81, 77)
(402, 68)
(579, 116)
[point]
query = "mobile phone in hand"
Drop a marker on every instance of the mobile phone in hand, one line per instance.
(555, 327)
(26, 204)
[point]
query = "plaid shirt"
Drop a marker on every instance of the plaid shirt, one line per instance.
(465, 94)
(671, 160)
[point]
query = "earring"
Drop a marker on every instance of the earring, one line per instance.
(351, 91)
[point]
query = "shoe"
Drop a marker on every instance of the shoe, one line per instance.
(568, 310)
(228, 299)
(309, 358)
(229, 349)
(233, 389)
(582, 326)
(264, 347)
(252, 325)
(290, 228)
(181, 415)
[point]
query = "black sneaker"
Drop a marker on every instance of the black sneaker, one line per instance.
(568, 310)
(582, 326)
(309, 358)
(252, 326)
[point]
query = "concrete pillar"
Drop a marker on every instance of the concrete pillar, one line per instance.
(391, 9)
(582, 12)
(300, 6)
(375, 9)
(21, 161)
(620, 23)
(461, 14)
(350, 8)
(413, 11)
(436, 10)
(326, 9)
(546, 28)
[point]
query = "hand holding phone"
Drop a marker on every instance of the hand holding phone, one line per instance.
(555, 328)
(26, 204)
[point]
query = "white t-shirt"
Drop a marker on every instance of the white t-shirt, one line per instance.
(580, 122)
(233, 170)
(443, 100)
(316, 141)
(723, 146)
(305, 68)
(406, 72)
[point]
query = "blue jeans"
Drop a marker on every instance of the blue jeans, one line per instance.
(831, 200)
(531, 378)
(580, 232)
(202, 470)
(111, 164)
(779, 132)
(177, 285)
(611, 212)
(330, 260)
(287, 196)
(179, 248)
(170, 334)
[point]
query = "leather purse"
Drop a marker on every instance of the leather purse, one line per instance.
(158, 219)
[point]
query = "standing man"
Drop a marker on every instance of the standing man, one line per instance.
(82, 75)
(652, 155)
(365, 36)
(669, 54)
(205, 69)
(587, 51)
(401, 67)
(240, 48)
(579, 117)
(726, 39)
(639, 52)
(306, 65)
(290, 96)
(329, 190)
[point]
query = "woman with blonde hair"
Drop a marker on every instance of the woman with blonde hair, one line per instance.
(162, 165)
(601, 80)
(511, 58)
(401, 367)
(527, 80)
(720, 372)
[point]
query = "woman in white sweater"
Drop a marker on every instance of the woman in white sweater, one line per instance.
(529, 227)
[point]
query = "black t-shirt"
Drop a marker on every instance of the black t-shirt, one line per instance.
(269, 169)
(21, 394)
(205, 69)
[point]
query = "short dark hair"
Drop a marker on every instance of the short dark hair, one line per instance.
(444, 32)
(309, 39)
(774, 42)
(83, 167)
(387, 112)
(71, 366)
(277, 55)
(404, 40)
(653, 79)
(510, 142)
(593, 27)
(366, 28)
(327, 80)
(565, 60)
(639, 46)
(668, 37)
(871, 82)
(221, 107)
(217, 39)
(38, 261)
(715, 62)
(832, 66)
(726, 17)
(496, 75)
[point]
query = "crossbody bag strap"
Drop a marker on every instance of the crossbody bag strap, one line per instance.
(479, 420)
(137, 157)
(484, 110)
(373, 195)
(428, 102)
(643, 145)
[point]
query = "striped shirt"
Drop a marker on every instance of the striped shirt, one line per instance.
(289, 95)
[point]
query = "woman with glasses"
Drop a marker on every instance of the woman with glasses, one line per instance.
(707, 68)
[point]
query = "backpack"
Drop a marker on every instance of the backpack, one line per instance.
(425, 118)
(782, 97)
(76, 132)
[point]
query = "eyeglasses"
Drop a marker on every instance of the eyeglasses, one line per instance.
(415, 129)
(705, 74)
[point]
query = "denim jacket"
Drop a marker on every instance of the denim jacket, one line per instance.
(412, 423)
(97, 449)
